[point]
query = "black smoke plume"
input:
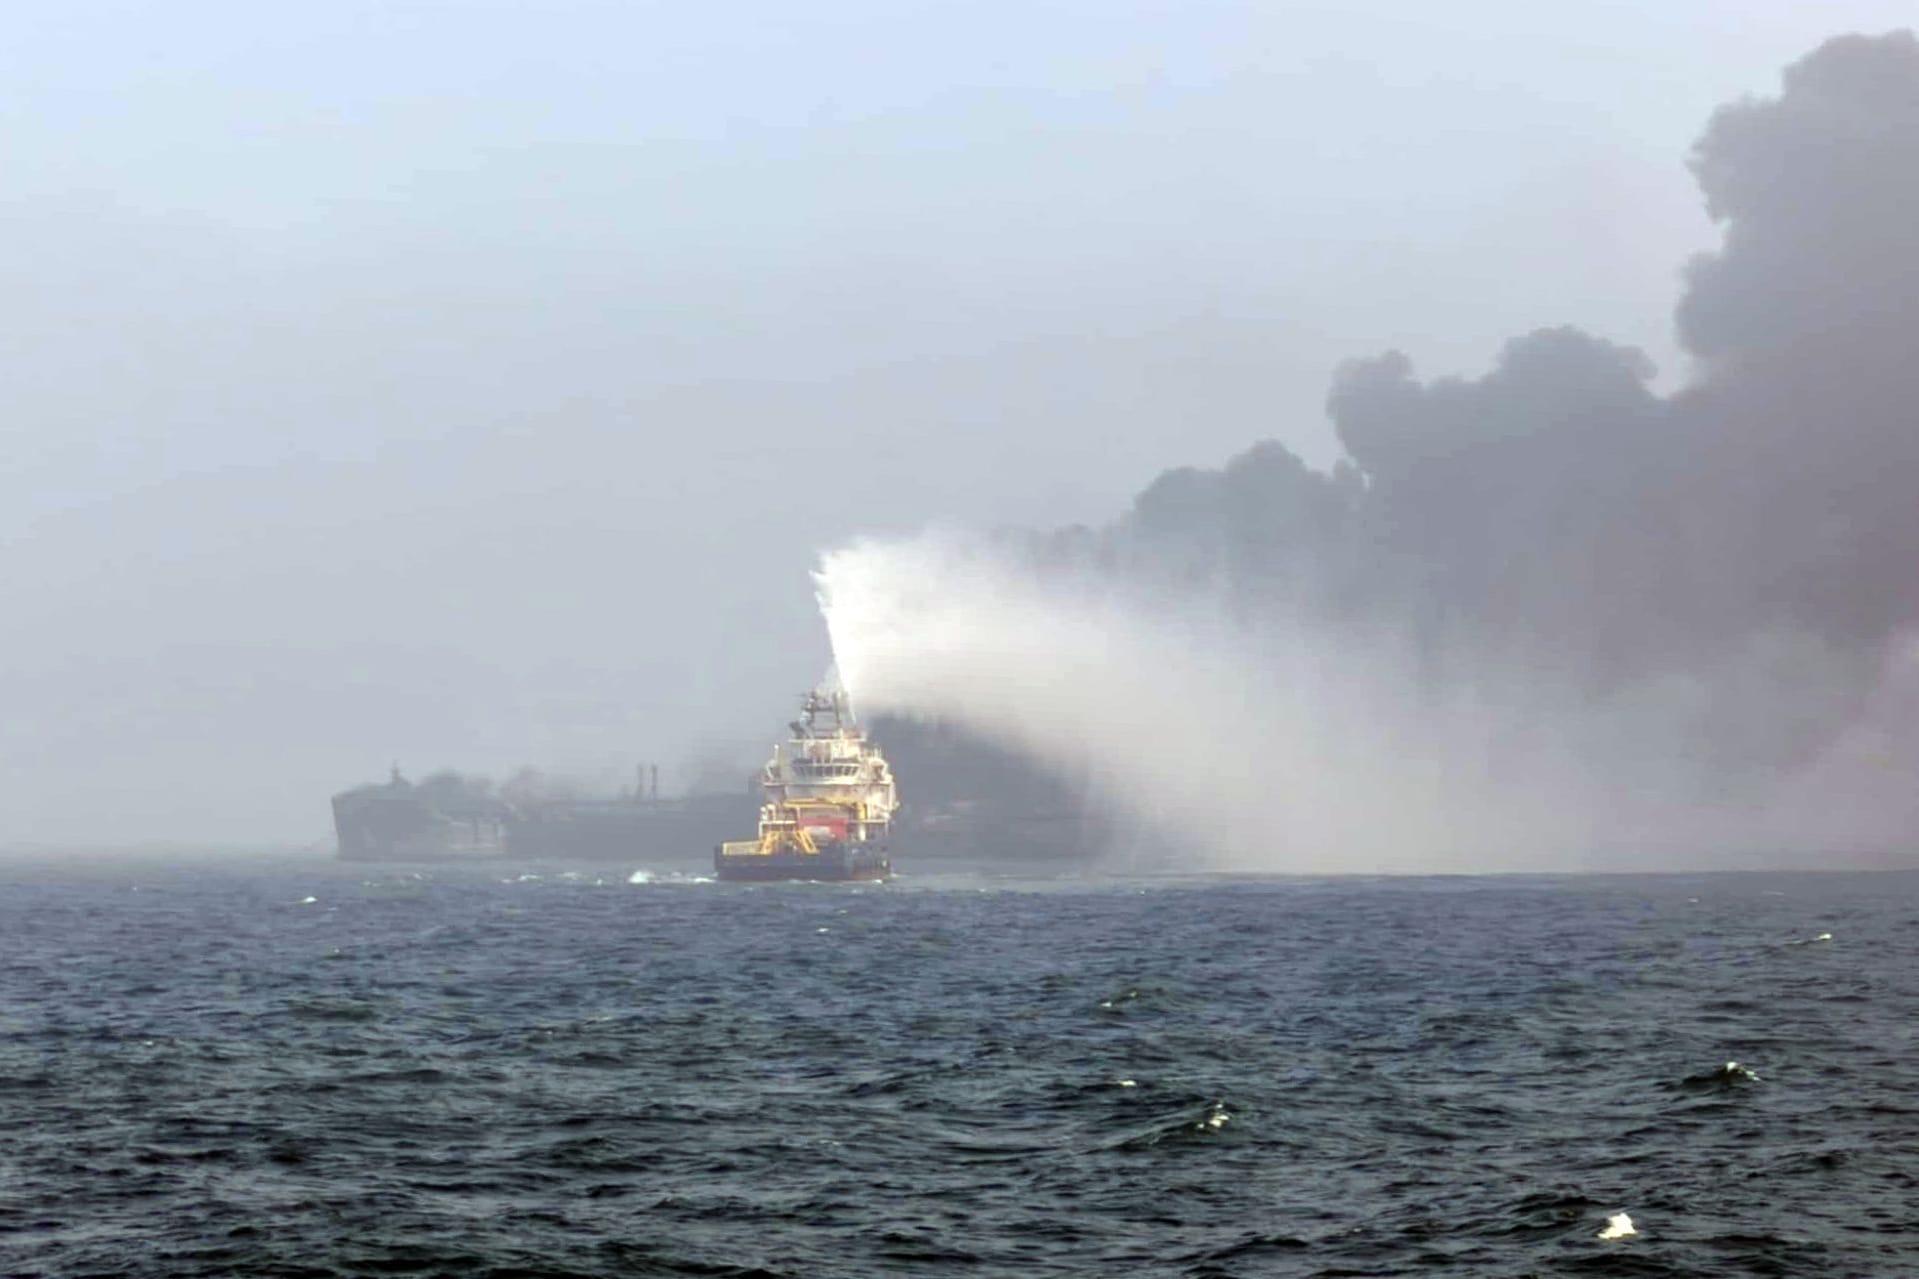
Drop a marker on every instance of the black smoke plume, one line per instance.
(1711, 597)
(1557, 513)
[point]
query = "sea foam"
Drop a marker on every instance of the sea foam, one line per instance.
(1618, 1226)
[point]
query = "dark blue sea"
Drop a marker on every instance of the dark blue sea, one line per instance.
(313, 1069)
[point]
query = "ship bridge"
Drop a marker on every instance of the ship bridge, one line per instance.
(828, 759)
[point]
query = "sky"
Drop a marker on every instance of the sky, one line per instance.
(475, 384)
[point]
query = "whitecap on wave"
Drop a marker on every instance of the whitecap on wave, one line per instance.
(1729, 1076)
(644, 876)
(1618, 1226)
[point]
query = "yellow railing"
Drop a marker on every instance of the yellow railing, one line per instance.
(791, 834)
(798, 835)
(770, 843)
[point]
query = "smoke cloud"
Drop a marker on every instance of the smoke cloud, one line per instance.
(1545, 617)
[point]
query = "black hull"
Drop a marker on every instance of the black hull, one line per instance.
(397, 822)
(833, 864)
(655, 831)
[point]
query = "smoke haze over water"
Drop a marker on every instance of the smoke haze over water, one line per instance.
(1543, 618)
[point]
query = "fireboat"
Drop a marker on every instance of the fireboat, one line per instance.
(828, 803)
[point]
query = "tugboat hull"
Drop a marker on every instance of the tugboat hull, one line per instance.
(833, 863)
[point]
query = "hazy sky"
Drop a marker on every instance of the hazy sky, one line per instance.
(474, 383)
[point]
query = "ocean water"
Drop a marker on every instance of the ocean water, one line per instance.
(323, 1070)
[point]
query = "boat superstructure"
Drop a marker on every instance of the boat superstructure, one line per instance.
(828, 803)
(444, 816)
(456, 816)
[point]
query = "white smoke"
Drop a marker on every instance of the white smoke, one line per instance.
(1270, 746)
